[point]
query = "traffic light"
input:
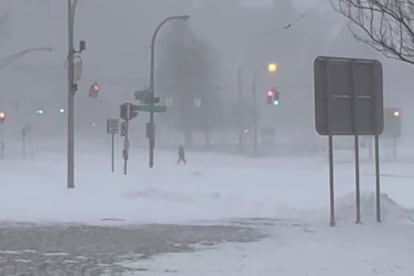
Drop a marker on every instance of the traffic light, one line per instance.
(276, 98)
(40, 111)
(133, 111)
(272, 96)
(94, 90)
(128, 111)
(2, 116)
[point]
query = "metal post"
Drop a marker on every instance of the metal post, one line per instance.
(151, 137)
(255, 142)
(71, 161)
(239, 114)
(113, 149)
(2, 143)
(394, 148)
(125, 166)
(125, 154)
(357, 183)
(332, 222)
(356, 142)
(370, 149)
(24, 143)
(255, 119)
(377, 178)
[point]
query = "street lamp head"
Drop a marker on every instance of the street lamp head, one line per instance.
(185, 17)
(272, 67)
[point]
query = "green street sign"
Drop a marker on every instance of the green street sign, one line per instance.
(155, 108)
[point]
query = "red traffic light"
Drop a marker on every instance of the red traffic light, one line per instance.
(270, 93)
(94, 90)
(2, 116)
(95, 87)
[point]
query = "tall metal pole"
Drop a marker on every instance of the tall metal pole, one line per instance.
(71, 154)
(24, 143)
(113, 154)
(239, 114)
(2, 144)
(255, 119)
(151, 134)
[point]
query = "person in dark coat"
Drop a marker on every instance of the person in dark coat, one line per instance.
(181, 155)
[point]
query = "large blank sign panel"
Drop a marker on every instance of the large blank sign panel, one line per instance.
(348, 96)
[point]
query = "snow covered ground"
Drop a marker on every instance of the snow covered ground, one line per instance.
(296, 250)
(291, 192)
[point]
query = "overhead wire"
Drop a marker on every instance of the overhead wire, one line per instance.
(304, 14)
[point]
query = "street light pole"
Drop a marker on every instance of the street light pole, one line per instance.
(7, 60)
(239, 103)
(71, 182)
(72, 87)
(255, 119)
(151, 128)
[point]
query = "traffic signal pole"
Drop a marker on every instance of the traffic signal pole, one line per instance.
(72, 87)
(70, 138)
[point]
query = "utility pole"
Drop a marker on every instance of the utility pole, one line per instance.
(72, 88)
(71, 94)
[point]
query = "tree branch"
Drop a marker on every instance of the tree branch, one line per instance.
(385, 25)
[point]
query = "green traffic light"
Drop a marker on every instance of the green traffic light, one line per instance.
(275, 102)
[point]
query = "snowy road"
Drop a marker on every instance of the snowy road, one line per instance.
(28, 249)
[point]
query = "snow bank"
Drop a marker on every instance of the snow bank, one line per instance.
(391, 211)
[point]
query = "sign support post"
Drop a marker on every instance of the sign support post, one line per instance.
(332, 222)
(377, 179)
(112, 127)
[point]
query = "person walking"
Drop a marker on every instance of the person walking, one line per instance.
(181, 155)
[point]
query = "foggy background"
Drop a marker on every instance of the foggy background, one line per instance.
(197, 65)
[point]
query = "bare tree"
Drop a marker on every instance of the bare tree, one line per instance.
(188, 71)
(385, 25)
